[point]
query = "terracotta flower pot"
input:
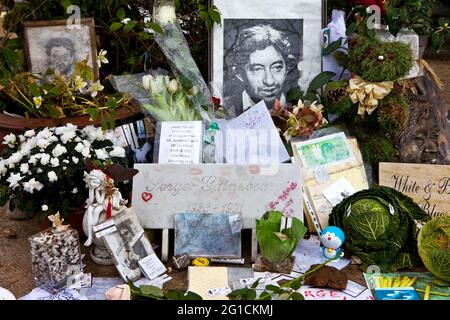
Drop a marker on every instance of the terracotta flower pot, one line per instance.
(17, 125)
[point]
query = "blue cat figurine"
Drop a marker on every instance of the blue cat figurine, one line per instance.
(332, 239)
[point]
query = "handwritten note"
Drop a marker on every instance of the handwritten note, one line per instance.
(427, 185)
(252, 138)
(161, 190)
(180, 142)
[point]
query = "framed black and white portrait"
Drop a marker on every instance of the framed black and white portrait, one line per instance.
(264, 48)
(57, 46)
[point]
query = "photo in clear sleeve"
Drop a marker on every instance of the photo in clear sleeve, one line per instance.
(261, 58)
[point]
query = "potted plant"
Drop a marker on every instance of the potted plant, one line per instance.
(42, 171)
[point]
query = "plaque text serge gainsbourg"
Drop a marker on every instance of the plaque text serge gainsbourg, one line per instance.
(161, 190)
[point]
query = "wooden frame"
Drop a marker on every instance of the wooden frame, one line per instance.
(211, 66)
(55, 23)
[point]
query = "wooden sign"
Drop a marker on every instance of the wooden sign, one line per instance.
(162, 190)
(427, 185)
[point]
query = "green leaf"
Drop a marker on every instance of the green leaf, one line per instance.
(115, 26)
(437, 41)
(129, 26)
(155, 27)
(351, 29)
(296, 284)
(151, 291)
(273, 288)
(294, 94)
(332, 47)
(35, 90)
(265, 296)
(256, 283)
(121, 14)
(215, 15)
(104, 122)
(284, 296)
(320, 80)
(93, 113)
(297, 296)
(243, 294)
(178, 295)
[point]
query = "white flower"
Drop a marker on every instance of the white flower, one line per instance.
(3, 168)
(66, 161)
(10, 140)
(44, 207)
(59, 150)
(86, 152)
(54, 162)
(80, 84)
(166, 14)
(14, 179)
(75, 191)
(67, 128)
(75, 160)
(38, 101)
(173, 86)
(101, 154)
(126, 20)
(39, 170)
(156, 84)
(43, 143)
(118, 152)
(79, 147)
(193, 91)
(77, 139)
(24, 168)
(29, 133)
(146, 81)
(44, 134)
(45, 159)
(22, 138)
(95, 88)
(68, 136)
(15, 158)
(64, 168)
(33, 160)
(32, 185)
(52, 177)
(102, 58)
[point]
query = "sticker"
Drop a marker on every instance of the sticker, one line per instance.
(391, 209)
(147, 196)
(103, 233)
(321, 174)
(286, 223)
(235, 223)
(349, 210)
(218, 291)
(104, 225)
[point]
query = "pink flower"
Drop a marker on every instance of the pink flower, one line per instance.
(121, 292)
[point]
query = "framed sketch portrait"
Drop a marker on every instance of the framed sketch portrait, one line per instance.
(264, 48)
(55, 45)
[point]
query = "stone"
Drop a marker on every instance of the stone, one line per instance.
(9, 233)
(327, 277)
(264, 265)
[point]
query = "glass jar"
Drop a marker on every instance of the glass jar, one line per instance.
(55, 256)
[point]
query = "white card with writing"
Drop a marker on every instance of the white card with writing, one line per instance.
(252, 138)
(180, 142)
(151, 266)
(160, 190)
(338, 191)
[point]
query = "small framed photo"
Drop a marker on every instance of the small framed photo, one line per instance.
(55, 45)
(128, 244)
(264, 48)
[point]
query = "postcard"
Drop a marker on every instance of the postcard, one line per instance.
(338, 191)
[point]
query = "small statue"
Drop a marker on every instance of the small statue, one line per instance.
(332, 239)
(105, 200)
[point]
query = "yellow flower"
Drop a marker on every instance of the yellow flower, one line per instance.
(102, 58)
(80, 84)
(95, 88)
(38, 101)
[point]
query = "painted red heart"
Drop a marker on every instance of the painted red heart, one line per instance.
(146, 196)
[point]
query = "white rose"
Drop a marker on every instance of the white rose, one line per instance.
(75, 191)
(86, 152)
(33, 160)
(22, 138)
(66, 161)
(126, 20)
(3, 168)
(59, 150)
(32, 185)
(14, 179)
(29, 133)
(101, 154)
(54, 162)
(118, 152)
(43, 143)
(52, 177)
(39, 170)
(68, 136)
(15, 158)
(24, 168)
(75, 160)
(166, 14)
(44, 134)
(10, 140)
(44, 207)
(45, 159)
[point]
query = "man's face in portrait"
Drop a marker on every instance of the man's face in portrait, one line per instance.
(61, 59)
(266, 73)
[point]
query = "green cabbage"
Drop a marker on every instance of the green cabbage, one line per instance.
(434, 247)
(380, 227)
(277, 246)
